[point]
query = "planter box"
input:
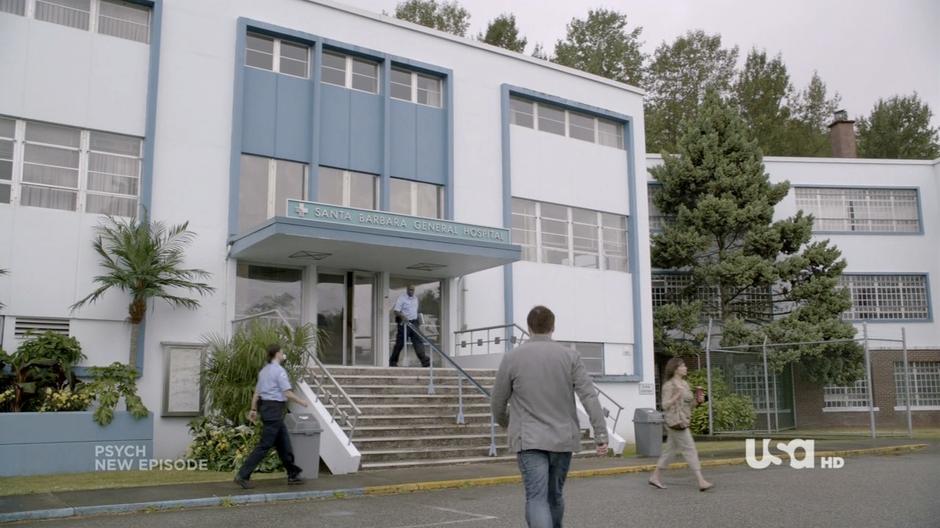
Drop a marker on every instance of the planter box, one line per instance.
(71, 442)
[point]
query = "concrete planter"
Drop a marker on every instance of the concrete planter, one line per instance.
(71, 442)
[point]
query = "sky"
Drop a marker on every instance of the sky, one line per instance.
(863, 49)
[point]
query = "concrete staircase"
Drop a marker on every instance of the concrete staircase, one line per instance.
(403, 426)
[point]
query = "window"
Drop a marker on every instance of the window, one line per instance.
(17, 7)
(748, 380)
(861, 210)
(853, 396)
(416, 88)
(124, 20)
(556, 120)
(570, 236)
(416, 199)
(656, 217)
(925, 383)
(72, 13)
(522, 112)
(265, 185)
(672, 288)
(551, 119)
(7, 133)
(68, 168)
(113, 174)
(261, 50)
(117, 18)
(887, 297)
(581, 126)
(592, 355)
(265, 289)
(350, 72)
(347, 188)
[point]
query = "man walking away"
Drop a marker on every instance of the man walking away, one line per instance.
(539, 380)
(271, 392)
(406, 309)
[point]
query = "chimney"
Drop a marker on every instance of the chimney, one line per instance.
(842, 135)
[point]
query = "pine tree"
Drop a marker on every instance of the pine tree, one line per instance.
(722, 234)
(503, 32)
(761, 94)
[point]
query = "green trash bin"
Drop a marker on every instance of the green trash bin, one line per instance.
(304, 431)
(648, 429)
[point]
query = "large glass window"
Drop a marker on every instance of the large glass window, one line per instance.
(887, 297)
(570, 236)
(265, 185)
(416, 87)
(113, 174)
(592, 355)
(672, 288)
(847, 397)
(268, 292)
(416, 198)
(861, 209)
(50, 166)
(350, 72)
(347, 188)
(549, 118)
(291, 57)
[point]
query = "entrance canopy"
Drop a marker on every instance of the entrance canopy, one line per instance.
(347, 238)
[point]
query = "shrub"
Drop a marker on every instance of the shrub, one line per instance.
(65, 399)
(41, 361)
(108, 385)
(232, 365)
(225, 446)
(730, 412)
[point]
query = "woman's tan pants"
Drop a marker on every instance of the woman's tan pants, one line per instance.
(679, 441)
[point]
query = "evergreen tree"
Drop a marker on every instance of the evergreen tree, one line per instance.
(721, 233)
(676, 82)
(539, 52)
(445, 16)
(502, 32)
(808, 128)
(761, 94)
(602, 45)
(898, 128)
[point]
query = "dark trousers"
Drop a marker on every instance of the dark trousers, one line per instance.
(274, 434)
(543, 475)
(416, 341)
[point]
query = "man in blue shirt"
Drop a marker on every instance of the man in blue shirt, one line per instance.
(406, 309)
(272, 392)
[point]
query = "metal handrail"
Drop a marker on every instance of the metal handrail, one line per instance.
(461, 375)
(460, 343)
(322, 392)
(606, 412)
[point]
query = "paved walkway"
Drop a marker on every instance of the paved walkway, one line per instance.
(91, 502)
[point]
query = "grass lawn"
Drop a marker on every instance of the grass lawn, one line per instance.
(114, 479)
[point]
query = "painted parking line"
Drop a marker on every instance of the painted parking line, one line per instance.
(470, 517)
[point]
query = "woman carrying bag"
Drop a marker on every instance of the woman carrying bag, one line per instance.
(678, 401)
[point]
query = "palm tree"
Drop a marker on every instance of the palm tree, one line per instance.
(144, 259)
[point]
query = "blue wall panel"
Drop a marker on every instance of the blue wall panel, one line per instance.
(334, 126)
(365, 138)
(260, 112)
(294, 119)
(431, 139)
(402, 131)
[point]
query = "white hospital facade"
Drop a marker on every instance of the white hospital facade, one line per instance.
(326, 157)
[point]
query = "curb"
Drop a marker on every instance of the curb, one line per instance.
(394, 489)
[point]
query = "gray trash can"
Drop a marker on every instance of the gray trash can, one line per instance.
(648, 428)
(304, 431)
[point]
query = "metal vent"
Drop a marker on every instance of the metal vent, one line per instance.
(39, 325)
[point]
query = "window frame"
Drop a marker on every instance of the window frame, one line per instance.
(414, 88)
(413, 196)
(84, 151)
(833, 395)
(930, 377)
(538, 106)
(276, 55)
(867, 223)
(94, 14)
(599, 227)
(882, 287)
(573, 345)
(347, 188)
(348, 72)
(271, 186)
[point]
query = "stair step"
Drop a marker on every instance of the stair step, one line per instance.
(412, 430)
(413, 408)
(422, 419)
(352, 380)
(367, 445)
(469, 457)
(378, 389)
(416, 399)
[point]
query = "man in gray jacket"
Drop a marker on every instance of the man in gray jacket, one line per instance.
(539, 380)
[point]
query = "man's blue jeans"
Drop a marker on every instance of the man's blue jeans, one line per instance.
(543, 475)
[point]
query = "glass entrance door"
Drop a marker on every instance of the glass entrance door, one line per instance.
(346, 316)
(428, 294)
